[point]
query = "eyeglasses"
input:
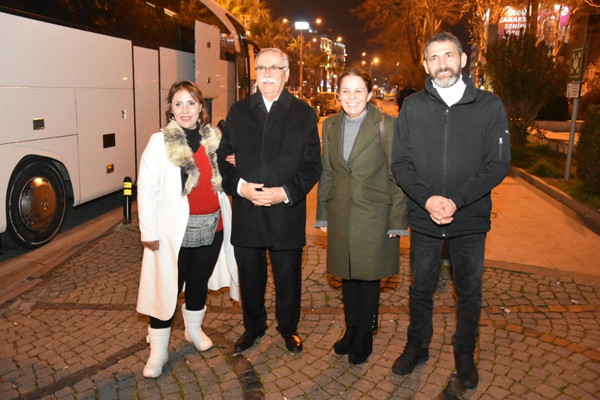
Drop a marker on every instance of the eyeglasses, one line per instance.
(272, 68)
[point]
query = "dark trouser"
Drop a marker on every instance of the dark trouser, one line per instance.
(361, 304)
(195, 265)
(287, 274)
(467, 254)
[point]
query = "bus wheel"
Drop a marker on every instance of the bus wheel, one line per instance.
(35, 203)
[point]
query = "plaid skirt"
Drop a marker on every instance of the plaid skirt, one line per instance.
(201, 229)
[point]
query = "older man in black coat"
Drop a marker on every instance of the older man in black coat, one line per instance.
(275, 143)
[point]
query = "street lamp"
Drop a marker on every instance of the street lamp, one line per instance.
(302, 26)
(375, 61)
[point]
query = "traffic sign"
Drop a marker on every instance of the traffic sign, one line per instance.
(573, 90)
(576, 68)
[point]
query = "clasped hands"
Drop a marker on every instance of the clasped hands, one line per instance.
(441, 210)
(264, 197)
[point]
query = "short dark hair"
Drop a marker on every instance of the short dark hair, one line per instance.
(194, 91)
(361, 73)
(443, 37)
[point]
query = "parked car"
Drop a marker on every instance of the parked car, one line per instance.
(312, 104)
(329, 102)
(319, 104)
(378, 94)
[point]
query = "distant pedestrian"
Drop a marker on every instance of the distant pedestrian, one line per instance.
(401, 95)
(275, 141)
(185, 223)
(361, 208)
(451, 149)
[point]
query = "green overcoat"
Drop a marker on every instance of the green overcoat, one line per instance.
(360, 201)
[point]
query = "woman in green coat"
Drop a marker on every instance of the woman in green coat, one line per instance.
(360, 207)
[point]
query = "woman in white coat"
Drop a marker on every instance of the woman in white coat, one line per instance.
(185, 224)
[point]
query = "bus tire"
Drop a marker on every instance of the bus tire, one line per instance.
(36, 203)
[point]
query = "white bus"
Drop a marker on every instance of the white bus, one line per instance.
(82, 88)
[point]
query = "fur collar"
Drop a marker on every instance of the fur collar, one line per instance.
(180, 155)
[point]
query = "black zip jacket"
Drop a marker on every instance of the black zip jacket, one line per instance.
(460, 152)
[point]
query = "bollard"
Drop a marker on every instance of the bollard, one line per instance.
(127, 185)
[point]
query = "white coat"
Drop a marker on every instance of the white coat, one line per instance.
(163, 211)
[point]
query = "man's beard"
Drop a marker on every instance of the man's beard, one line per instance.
(447, 81)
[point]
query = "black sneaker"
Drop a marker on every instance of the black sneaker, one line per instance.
(344, 345)
(466, 370)
(409, 359)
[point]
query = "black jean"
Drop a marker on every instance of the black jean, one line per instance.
(195, 265)
(467, 254)
(361, 304)
(287, 275)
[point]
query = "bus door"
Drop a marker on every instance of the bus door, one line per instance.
(211, 71)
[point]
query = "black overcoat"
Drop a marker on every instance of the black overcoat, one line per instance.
(280, 148)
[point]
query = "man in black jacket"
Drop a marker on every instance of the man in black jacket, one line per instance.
(451, 148)
(277, 150)
(401, 95)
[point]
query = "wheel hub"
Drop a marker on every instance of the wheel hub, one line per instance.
(37, 203)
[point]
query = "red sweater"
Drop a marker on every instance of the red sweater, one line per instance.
(203, 199)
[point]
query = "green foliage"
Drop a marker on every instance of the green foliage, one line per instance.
(587, 154)
(576, 189)
(526, 156)
(545, 169)
(544, 162)
(525, 77)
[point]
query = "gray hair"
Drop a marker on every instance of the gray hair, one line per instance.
(443, 37)
(286, 59)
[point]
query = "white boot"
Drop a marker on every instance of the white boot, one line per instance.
(193, 328)
(159, 354)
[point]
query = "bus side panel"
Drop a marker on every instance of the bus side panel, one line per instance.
(101, 116)
(210, 74)
(147, 97)
(21, 106)
(39, 54)
(174, 66)
(62, 149)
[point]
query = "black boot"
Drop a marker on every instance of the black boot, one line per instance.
(466, 370)
(344, 345)
(412, 356)
(361, 348)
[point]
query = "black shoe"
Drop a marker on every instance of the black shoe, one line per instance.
(466, 370)
(361, 348)
(409, 359)
(246, 341)
(292, 342)
(344, 345)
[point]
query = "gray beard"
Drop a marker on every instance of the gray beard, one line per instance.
(445, 84)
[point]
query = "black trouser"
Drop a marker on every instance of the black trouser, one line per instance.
(287, 274)
(195, 265)
(467, 254)
(361, 304)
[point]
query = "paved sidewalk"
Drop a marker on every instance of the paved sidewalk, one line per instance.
(77, 335)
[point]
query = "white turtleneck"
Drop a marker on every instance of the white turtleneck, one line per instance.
(451, 95)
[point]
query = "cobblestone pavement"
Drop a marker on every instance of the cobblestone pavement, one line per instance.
(77, 335)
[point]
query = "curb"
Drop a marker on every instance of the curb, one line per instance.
(589, 216)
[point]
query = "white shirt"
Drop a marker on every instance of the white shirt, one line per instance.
(451, 95)
(268, 103)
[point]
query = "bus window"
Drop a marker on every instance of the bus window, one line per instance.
(133, 19)
(65, 11)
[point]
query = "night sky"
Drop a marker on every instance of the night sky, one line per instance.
(338, 20)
